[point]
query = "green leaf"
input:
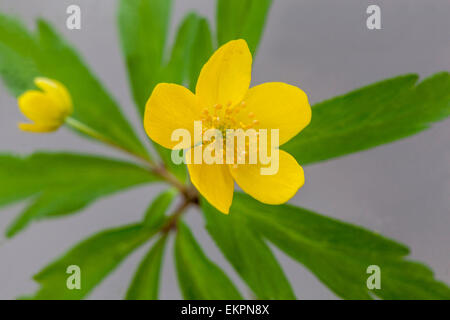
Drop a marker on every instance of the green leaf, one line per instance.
(140, 20)
(24, 56)
(96, 257)
(192, 48)
(371, 116)
(17, 46)
(177, 68)
(143, 26)
(248, 253)
(202, 49)
(199, 278)
(156, 213)
(242, 19)
(16, 71)
(62, 183)
(339, 253)
(145, 284)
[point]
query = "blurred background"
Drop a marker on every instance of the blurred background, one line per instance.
(401, 190)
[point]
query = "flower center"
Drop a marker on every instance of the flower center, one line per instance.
(231, 117)
(221, 118)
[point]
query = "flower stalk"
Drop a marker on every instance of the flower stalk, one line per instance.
(74, 123)
(190, 195)
(172, 221)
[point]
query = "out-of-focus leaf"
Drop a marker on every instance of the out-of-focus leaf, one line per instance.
(371, 116)
(339, 253)
(143, 26)
(202, 49)
(145, 284)
(96, 257)
(143, 29)
(15, 70)
(24, 55)
(156, 213)
(62, 183)
(199, 278)
(242, 19)
(248, 254)
(192, 48)
(17, 47)
(177, 68)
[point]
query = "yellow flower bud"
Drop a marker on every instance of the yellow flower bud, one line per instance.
(47, 109)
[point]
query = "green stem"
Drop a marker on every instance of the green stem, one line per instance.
(189, 193)
(172, 222)
(97, 135)
(157, 170)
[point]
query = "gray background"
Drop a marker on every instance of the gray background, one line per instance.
(401, 190)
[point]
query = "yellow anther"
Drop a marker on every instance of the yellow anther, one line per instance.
(255, 122)
(251, 114)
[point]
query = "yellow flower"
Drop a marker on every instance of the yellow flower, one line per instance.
(223, 100)
(47, 108)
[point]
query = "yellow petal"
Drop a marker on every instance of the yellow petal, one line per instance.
(277, 105)
(226, 76)
(33, 127)
(38, 107)
(270, 189)
(170, 107)
(56, 91)
(214, 182)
